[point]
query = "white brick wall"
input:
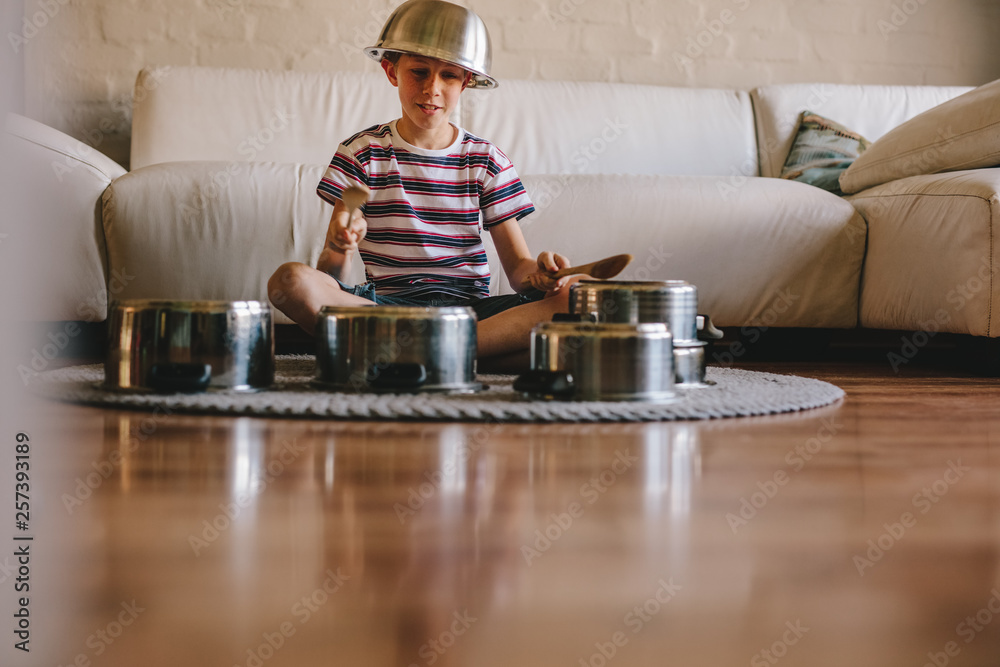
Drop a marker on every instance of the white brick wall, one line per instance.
(81, 56)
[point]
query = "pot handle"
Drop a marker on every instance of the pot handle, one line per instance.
(397, 376)
(180, 377)
(707, 330)
(546, 384)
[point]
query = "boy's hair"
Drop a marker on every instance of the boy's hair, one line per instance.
(392, 57)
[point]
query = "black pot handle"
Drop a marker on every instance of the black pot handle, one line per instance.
(397, 377)
(180, 377)
(546, 384)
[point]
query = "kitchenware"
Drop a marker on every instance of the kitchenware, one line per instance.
(672, 301)
(439, 30)
(609, 267)
(600, 362)
(690, 362)
(188, 346)
(396, 348)
(354, 197)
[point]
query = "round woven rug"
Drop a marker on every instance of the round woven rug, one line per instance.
(730, 393)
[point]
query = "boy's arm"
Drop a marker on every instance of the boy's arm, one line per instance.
(342, 238)
(517, 261)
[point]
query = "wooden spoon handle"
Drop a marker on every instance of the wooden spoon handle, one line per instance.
(603, 269)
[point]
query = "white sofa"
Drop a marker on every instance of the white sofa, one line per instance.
(224, 165)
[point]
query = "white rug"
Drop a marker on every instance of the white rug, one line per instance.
(731, 393)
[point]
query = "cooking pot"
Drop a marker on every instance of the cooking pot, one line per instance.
(189, 346)
(396, 348)
(674, 302)
(590, 361)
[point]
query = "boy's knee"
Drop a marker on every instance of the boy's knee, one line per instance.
(284, 280)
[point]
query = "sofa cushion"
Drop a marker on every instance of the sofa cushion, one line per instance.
(564, 127)
(821, 152)
(213, 230)
(869, 110)
(769, 253)
(963, 133)
(240, 115)
(932, 261)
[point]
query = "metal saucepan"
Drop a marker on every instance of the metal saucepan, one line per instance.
(600, 362)
(673, 302)
(396, 348)
(189, 346)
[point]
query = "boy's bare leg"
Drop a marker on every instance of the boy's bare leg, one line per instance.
(509, 332)
(299, 291)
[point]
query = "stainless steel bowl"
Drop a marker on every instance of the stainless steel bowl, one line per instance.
(186, 346)
(689, 363)
(672, 301)
(441, 30)
(396, 348)
(600, 362)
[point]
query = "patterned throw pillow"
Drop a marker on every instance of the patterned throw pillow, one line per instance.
(821, 152)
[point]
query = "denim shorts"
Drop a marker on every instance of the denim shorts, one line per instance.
(484, 307)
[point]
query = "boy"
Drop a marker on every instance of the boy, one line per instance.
(429, 183)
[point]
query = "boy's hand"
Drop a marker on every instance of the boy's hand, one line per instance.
(548, 263)
(346, 231)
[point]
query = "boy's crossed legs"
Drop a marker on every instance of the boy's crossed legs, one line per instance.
(300, 291)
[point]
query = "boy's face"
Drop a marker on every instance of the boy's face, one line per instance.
(428, 92)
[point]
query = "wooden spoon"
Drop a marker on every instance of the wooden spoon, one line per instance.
(602, 269)
(354, 197)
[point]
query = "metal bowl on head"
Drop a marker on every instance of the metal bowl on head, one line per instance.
(396, 349)
(441, 30)
(188, 346)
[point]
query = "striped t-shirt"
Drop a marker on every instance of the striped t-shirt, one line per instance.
(427, 209)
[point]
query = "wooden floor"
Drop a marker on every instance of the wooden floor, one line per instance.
(863, 534)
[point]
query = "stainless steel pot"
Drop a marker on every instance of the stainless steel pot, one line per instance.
(188, 346)
(674, 302)
(396, 348)
(600, 362)
(689, 362)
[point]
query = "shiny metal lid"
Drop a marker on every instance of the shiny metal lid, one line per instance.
(441, 30)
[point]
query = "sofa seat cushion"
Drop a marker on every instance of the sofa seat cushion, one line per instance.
(212, 230)
(763, 252)
(963, 133)
(932, 261)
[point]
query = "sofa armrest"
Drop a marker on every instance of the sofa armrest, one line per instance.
(55, 236)
(932, 263)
